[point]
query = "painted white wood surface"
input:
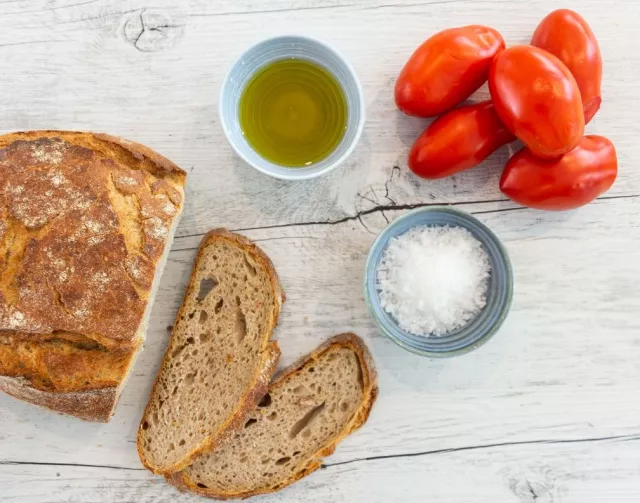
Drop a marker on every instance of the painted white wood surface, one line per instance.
(548, 411)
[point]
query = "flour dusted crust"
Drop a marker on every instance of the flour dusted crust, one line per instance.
(84, 221)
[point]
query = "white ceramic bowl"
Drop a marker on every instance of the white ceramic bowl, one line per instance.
(275, 49)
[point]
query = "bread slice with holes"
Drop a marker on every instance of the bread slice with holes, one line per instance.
(309, 408)
(219, 360)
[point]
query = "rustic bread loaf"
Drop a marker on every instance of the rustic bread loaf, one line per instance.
(308, 410)
(86, 223)
(219, 360)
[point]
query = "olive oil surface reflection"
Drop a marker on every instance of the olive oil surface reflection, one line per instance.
(293, 112)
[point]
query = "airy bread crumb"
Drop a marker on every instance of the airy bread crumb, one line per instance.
(219, 359)
(308, 410)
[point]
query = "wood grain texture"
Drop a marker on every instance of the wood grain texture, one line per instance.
(545, 412)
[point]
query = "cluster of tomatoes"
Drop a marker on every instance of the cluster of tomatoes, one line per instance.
(542, 94)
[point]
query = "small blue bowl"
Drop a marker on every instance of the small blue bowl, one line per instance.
(499, 290)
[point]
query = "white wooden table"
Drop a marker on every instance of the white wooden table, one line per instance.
(548, 411)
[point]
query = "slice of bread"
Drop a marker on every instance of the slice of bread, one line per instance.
(86, 224)
(219, 360)
(309, 408)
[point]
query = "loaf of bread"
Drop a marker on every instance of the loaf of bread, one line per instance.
(86, 223)
(309, 408)
(219, 360)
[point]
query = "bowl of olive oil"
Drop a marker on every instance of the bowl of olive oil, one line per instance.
(292, 107)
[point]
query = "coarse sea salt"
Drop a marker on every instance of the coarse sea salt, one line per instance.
(433, 279)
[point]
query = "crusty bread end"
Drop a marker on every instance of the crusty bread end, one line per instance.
(73, 237)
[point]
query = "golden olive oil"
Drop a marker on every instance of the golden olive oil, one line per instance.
(293, 112)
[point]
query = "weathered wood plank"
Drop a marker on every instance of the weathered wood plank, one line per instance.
(78, 66)
(564, 366)
(583, 472)
(558, 369)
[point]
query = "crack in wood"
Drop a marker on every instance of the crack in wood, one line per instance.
(71, 465)
(382, 208)
(371, 458)
(357, 216)
(151, 31)
(364, 225)
(142, 27)
(367, 198)
(500, 210)
(386, 185)
(628, 196)
(486, 446)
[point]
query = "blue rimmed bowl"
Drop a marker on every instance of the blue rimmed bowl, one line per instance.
(499, 289)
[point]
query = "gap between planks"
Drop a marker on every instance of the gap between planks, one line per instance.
(388, 207)
(622, 438)
(631, 437)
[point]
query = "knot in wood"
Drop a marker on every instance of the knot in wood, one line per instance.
(150, 31)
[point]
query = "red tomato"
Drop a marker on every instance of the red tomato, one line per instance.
(538, 100)
(446, 69)
(568, 182)
(458, 140)
(566, 35)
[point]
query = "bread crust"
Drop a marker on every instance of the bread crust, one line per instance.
(62, 232)
(94, 405)
(271, 356)
(370, 382)
(60, 366)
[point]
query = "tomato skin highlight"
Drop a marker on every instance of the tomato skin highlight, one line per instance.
(538, 99)
(565, 183)
(566, 35)
(458, 140)
(446, 69)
